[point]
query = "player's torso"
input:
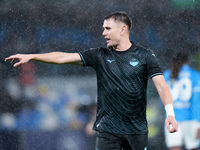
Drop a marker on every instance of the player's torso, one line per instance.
(122, 81)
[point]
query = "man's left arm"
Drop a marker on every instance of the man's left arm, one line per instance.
(164, 93)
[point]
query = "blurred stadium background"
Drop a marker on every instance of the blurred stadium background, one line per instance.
(47, 107)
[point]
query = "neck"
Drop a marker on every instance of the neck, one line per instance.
(123, 46)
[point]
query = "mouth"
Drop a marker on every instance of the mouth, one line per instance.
(107, 40)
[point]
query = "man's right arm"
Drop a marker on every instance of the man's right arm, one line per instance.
(54, 58)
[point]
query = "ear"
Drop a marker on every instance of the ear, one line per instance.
(123, 30)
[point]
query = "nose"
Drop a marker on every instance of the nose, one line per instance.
(104, 33)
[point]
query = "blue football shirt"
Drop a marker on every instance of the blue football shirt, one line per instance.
(185, 93)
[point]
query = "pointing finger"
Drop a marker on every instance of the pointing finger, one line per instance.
(9, 58)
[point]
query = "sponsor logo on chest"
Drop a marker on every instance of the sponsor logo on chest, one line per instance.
(133, 62)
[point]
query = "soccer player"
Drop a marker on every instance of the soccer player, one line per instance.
(184, 84)
(122, 70)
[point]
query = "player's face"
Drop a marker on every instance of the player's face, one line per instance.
(111, 32)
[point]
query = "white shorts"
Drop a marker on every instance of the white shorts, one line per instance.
(186, 135)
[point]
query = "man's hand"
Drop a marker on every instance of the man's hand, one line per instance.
(198, 133)
(23, 58)
(172, 125)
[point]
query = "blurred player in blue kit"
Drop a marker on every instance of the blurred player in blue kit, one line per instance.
(184, 84)
(122, 70)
